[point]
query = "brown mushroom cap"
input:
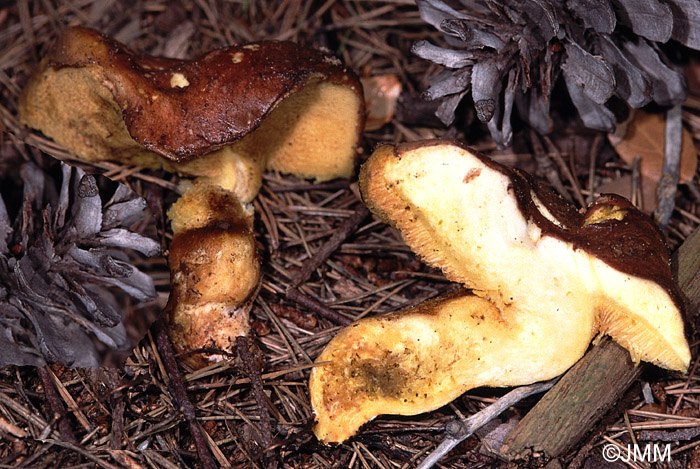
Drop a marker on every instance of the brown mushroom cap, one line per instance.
(545, 280)
(271, 104)
(222, 118)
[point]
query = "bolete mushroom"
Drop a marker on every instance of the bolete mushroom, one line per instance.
(544, 280)
(225, 116)
(222, 119)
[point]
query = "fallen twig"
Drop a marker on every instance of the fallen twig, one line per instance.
(336, 185)
(460, 430)
(118, 406)
(253, 372)
(678, 435)
(56, 405)
(177, 387)
(668, 184)
(546, 166)
(348, 227)
(329, 247)
(636, 200)
(319, 308)
(564, 168)
(592, 158)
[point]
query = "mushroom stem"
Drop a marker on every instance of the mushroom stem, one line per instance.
(214, 270)
(420, 359)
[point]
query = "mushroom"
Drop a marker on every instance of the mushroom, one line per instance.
(544, 280)
(224, 116)
(221, 119)
(214, 271)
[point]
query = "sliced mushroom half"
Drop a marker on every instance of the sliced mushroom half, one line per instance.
(544, 280)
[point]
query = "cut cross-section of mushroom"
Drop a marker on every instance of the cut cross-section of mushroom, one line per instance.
(417, 360)
(545, 280)
(223, 119)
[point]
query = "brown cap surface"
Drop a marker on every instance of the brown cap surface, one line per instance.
(180, 109)
(227, 115)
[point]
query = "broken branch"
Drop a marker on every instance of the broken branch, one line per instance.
(469, 425)
(329, 247)
(177, 387)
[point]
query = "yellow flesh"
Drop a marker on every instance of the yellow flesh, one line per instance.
(310, 134)
(459, 214)
(418, 360)
(202, 205)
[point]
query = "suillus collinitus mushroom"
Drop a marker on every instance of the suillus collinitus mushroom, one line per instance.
(221, 119)
(544, 280)
(225, 116)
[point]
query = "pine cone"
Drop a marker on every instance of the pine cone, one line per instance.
(60, 259)
(511, 53)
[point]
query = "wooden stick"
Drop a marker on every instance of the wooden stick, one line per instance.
(118, 406)
(179, 391)
(319, 308)
(570, 408)
(348, 227)
(666, 192)
(460, 430)
(685, 265)
(56, 405)
(588, 390)
(548, 167)
(253, 372)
